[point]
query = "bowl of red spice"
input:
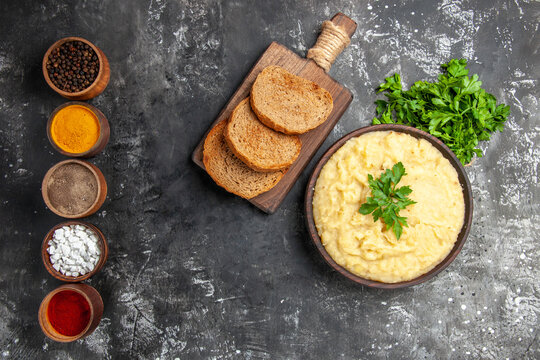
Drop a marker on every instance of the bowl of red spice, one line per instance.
(74, 188)
(78, 129)
(76, 69)
(70, 312)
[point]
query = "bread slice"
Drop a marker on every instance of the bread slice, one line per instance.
(258, 146)
(231, 173)
(288, 103)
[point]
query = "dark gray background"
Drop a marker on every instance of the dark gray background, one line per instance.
(196, 273)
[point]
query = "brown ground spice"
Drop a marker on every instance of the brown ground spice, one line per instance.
(72, 189)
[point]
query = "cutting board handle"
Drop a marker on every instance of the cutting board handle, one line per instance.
(334, 37)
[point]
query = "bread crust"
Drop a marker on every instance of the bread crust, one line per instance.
(267, 140)
(231, 173)
(313, 107)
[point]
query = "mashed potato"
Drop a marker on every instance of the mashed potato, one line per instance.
(364, 247)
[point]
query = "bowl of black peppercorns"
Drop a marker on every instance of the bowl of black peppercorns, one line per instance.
(76, 69)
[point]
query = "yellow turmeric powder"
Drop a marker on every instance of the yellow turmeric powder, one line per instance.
(75, 129)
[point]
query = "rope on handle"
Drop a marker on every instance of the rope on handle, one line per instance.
(329, 45)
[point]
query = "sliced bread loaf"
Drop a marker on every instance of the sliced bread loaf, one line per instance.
(288, 103)
(231, 173)
(258, 146)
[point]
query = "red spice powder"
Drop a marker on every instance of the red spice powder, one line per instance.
(69, 312)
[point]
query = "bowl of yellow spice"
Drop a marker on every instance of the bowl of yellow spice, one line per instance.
(78, 129)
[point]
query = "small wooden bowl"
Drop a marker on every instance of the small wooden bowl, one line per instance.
(96, 311)
(463, 180)
(104, 131)
(102, 243)
(101, 191)
(99, 84)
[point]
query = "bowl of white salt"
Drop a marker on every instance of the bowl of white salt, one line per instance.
(74, 251)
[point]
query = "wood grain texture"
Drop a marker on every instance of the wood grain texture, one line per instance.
(277, 54)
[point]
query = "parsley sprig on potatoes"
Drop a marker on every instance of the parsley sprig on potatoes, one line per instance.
(387, 199)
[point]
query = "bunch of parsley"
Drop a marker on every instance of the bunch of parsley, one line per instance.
(455, 109)
(387, 199)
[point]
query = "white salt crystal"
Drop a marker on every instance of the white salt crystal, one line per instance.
(66, 250)
(91, 247)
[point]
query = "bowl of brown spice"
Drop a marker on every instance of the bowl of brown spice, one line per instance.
(74, 189)
(76, 69)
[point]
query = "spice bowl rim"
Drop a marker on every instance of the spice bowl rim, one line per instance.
(101, 190)
(45, 256)
(95, 309)
(419, 134)
(104, 130)
(94, 84)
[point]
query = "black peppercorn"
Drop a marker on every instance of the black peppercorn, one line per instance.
(71, 61)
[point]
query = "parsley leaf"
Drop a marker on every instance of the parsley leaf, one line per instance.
(455, 109)
(387, 200)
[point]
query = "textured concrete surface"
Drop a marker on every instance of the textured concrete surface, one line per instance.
(196, 273)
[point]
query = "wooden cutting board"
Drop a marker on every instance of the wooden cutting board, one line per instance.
(277, 54)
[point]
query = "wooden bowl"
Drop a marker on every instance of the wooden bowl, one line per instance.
(463, 180)
(104, 131)
(101, 191)
(99, 84)
(96, 311)
(102, 243)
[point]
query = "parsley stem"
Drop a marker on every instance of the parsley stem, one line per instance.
(387, 200)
